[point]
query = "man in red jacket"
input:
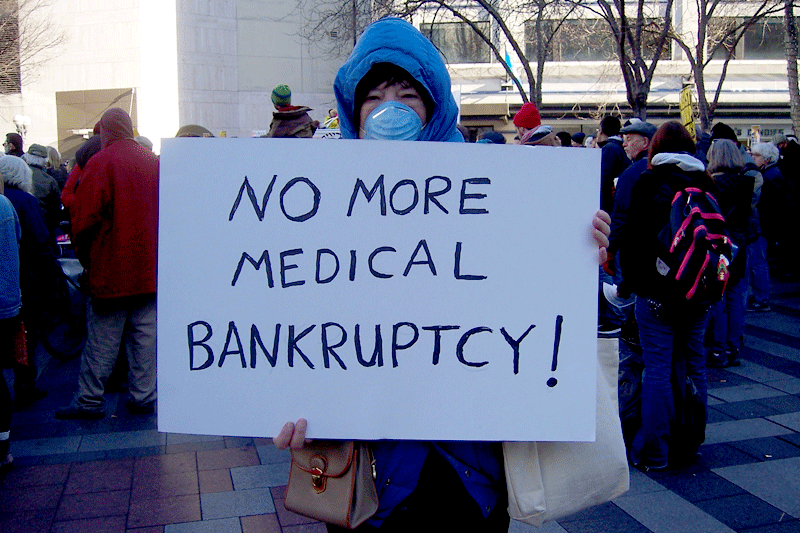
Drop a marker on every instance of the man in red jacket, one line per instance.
(114, 226)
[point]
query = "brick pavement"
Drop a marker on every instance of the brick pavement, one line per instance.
(120, 474)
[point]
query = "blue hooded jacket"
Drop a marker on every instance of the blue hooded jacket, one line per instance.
(395, 41)
(399, 463)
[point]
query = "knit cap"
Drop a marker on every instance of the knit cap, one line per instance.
(528, 117)
(282, 96)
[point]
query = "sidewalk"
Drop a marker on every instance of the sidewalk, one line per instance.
(120, 474)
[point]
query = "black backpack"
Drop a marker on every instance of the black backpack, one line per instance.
(697, 247)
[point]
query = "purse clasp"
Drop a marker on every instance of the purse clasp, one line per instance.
(318, 479)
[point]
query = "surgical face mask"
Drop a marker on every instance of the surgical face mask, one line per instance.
(393, 120)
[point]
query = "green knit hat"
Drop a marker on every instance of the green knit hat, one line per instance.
(282, 96)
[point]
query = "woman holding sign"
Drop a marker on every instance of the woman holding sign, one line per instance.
(395, 86)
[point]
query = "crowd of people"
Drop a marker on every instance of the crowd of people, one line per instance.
(396, 86)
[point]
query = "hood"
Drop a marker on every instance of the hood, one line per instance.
(541, 136)
(685, 162)
(395, 41)
(115, 125)
(16, 173)
(85, 152)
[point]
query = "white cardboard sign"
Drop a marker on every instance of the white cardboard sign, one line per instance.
(404, 290)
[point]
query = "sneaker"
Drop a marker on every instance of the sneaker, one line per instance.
(136, 409)
(606, 330)
(76, 413)
(759, 307)
(717, 360)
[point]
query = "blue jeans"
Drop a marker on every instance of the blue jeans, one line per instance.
(727, 317)
(666, 332)
(758, 270)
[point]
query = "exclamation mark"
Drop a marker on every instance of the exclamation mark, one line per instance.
(552, 382)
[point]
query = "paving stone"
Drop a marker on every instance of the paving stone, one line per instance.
(759, 373)
(699, 486)
(739, 393)
(236, 503)
(125, 439)
(33, 476)
(315, 527)
(789, 386)
(641, 484)
(227, 458)
(742, 429)
(238, 442)
(161, 511)
(58, 445)
(164, 485)
(767, 346)
(262, 523)
(789, 420)
(782, 404)
(722, 455)
(181, 438)
(30, 499)
(715, 416)
(165, 464)
(792, 526)
(215, 480)
(760, 480)
(666, 512)
(767, 449)
(741, 511)
(744, 410)
(26, 521)
(269, 454)
(226, 525)
(722, 379)
(93, 505)
(521, 527)
(250, 477)
(793, 439)
(108, 524)
(99, 477)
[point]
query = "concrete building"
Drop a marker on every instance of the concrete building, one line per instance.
(215, 62)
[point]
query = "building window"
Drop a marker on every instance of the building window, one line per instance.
(762, 40)
(458, 42)
(10, 79)
(585, 40)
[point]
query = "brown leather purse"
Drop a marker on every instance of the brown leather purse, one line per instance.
(334, 482)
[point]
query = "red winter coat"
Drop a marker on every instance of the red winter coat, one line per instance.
(115, 217)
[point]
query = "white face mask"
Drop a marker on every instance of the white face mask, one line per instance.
(392, 120)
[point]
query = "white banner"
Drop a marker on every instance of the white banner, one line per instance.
(438, 291)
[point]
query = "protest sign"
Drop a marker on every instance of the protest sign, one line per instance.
(384, 289)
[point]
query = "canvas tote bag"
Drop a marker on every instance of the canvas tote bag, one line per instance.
(550, 480)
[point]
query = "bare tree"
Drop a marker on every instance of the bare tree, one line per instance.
(791, 45)
(720, 28)
(25, 36)
(641, 33)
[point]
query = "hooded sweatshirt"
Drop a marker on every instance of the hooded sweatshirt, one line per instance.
(399, 463)
(395, 41)
(115, 213)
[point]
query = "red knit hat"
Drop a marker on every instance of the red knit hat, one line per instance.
(528, 117)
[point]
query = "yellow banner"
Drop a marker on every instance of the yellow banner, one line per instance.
(687, 111)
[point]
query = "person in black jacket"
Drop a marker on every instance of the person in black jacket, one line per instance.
(726, 165)
(669, 328)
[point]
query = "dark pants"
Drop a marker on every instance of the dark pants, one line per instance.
(666, 333)
(441, 503)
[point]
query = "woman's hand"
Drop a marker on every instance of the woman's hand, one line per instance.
(601, 230)
(292, 435)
